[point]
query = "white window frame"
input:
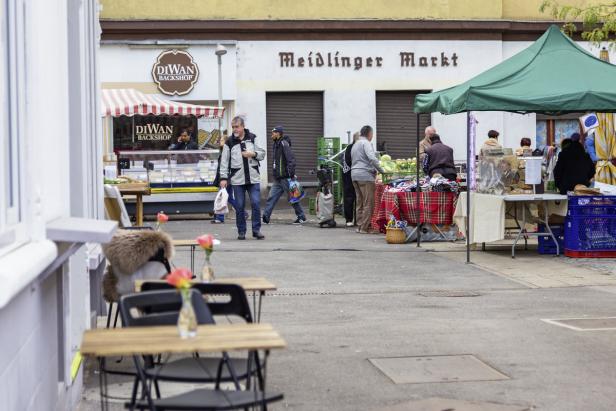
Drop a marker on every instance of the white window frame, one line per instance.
(13, 214)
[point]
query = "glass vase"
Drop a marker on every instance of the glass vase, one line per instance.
(207, 272)
(187, 320)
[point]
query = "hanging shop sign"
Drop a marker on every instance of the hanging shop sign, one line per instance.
(175, 72)
(289, 59)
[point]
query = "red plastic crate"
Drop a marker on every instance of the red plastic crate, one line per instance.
(590, 254)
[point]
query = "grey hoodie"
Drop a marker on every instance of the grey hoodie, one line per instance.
(365, 164)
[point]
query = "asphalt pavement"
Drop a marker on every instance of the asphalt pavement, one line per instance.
(345, 299)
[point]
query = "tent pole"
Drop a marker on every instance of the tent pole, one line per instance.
(468, 186)
(418, 189)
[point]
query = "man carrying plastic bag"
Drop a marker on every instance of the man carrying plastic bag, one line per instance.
(284, 177)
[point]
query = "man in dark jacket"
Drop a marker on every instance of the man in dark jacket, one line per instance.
(574, 166)
(184, 143)
(439, 159)
(284, 169)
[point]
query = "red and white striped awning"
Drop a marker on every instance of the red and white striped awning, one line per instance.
(128, 102)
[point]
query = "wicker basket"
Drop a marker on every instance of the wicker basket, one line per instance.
(395, 235)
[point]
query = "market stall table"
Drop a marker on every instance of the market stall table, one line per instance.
(258, 286)
(436, 208)
(138, 190)
(488, 215)
(148, 340)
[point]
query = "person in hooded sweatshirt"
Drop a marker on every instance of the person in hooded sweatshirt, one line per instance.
(283, 170)
(574, 166)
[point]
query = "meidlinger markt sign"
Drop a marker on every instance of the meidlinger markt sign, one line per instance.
(175, 72)
(336, 59)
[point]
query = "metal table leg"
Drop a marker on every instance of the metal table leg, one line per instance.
(102, 382)
(520, 233)
(192, 258)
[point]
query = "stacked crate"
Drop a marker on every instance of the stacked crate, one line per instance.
(326, 148)
(590, 230)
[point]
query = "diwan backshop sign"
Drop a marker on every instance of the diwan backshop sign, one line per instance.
(336, 59)
(175, 72)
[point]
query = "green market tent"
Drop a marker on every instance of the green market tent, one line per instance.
(554, 75)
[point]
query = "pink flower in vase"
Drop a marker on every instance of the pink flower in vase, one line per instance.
(161, 218)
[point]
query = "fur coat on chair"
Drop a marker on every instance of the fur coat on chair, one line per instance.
(134, 255)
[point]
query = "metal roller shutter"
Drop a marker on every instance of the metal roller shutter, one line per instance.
(301, 115)
(396, 123)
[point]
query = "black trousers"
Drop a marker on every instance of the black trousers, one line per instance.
(348, 197)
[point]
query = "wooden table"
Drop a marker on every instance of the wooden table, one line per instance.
(106, 342)
(193, 246)
(137, 341)
(138, 190)
(255, 285)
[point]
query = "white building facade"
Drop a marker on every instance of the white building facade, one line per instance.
(50, 171)
(332, 87)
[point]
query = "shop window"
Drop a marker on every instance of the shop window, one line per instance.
(11, 77)
(552, 130)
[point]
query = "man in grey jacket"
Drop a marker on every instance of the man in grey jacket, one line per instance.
(239, 165)
(365, 165)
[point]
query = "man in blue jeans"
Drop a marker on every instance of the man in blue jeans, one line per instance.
(239, 166)
(284, 169)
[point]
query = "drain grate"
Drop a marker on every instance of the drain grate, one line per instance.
(447, 404)
(293, 293)
(449, 293)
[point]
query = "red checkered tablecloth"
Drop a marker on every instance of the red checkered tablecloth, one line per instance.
(434, 208)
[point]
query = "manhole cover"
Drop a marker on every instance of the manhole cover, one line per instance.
(585, 324)
(445, 404)
(440, 368)
(449, 293)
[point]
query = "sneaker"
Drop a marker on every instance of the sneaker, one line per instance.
(217, 222)
(266, 219)
(350, 224)
(241, 236)
(299, 220)
(258, 236)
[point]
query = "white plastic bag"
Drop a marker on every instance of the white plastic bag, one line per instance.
(220, 203)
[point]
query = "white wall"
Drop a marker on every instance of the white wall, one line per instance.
(349, 94)
(252, 68)
(133, 64)
(43, 323)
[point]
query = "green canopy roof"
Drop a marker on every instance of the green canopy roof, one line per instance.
(554, 75)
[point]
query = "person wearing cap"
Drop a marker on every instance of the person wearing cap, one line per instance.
(283, 170)
(574, 166)
(491, 143)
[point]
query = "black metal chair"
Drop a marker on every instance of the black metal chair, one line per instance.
(191, 369)
(162, 308)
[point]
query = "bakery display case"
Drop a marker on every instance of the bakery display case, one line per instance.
(180, 181)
